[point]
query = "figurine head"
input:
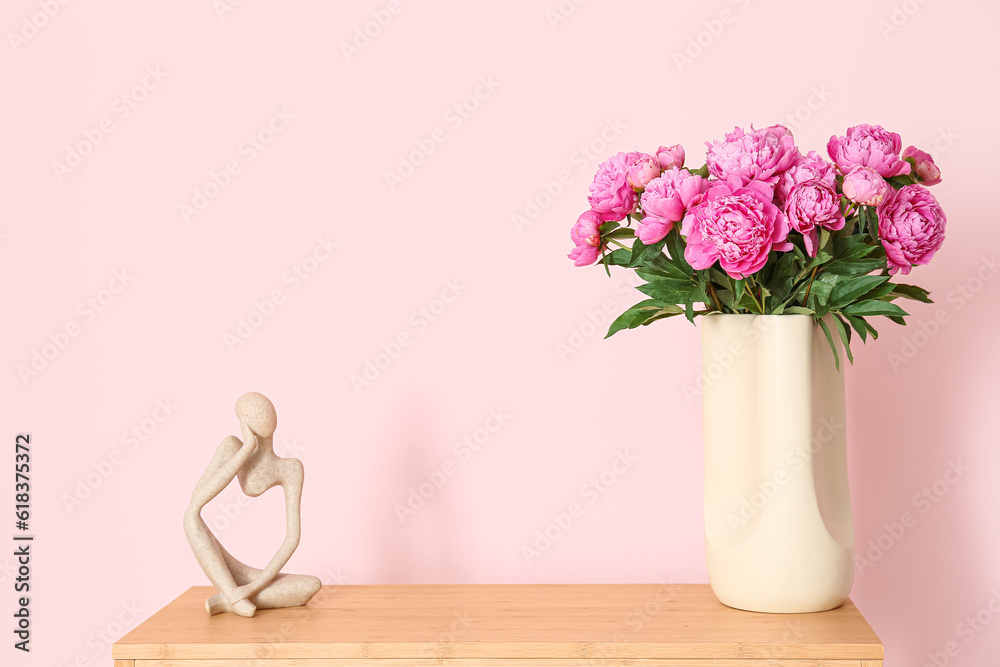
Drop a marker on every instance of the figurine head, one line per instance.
(257, 412)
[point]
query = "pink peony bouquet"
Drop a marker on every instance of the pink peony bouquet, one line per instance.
(763, 228)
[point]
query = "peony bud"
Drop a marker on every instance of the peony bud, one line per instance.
(927, 171)
(670, 156)
(641, 170)
(864, 186)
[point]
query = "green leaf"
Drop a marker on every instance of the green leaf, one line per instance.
(787, 266)
(845, 336)
(912, 292)
(829, 339)
(843, 244)
(883, 292)
(858, 324)
(746, 301)
(672, 290)
(874, 307)
(649, 273)
(689, 312)
(798, 310)
(851, 247)
(642, 313)
(620, 233)
(738, 287)
(726, 298)
(846, 291)
(675, 247)
(824, 238)
(720, 277)
(608, 227)
(619, 257)
(819, 293)
(641, 251)
(873, 223)
(820, 258)
(854, 267)
(871, 330)
(901, 181)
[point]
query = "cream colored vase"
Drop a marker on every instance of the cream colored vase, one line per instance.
(778, 530)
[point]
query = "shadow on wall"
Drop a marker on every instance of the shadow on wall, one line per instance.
(914, 465)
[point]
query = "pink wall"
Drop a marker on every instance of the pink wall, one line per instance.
(508, 99)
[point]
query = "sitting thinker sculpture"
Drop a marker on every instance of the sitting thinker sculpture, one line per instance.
(242, 589)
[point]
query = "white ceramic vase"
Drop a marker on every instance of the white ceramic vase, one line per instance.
(778, 531)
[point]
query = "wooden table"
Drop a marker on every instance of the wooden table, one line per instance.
(591, 625)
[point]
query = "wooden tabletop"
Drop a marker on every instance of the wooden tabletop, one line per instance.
(604, 623)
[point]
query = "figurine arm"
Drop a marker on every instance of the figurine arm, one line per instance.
(219, 474)
(293, 500)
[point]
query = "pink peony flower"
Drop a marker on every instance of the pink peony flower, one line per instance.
(736, 225)
(864, 186)
(610, 193)
(670, 156)
(910, 227)
(806, 168)
(756, 155)
(586, 235)
(813, 204)
(665, 202)
(868, 146)
(641, 170)
(927, 171)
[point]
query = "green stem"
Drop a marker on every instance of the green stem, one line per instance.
(750, 285)
(620, 245)
(805, 297)
(715, 297)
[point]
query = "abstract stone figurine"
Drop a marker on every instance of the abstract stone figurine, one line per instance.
(243, 589)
